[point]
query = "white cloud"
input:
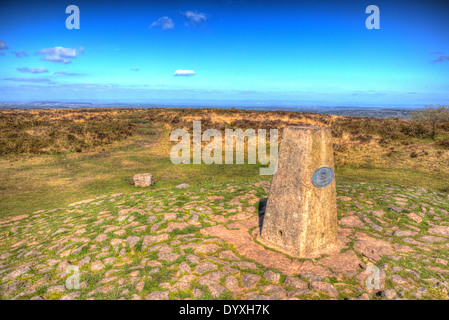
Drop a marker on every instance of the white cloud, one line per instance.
(60, 54)
(184, 73)
(3, 45)
(195, 17)
(32, 70)
(164, 22)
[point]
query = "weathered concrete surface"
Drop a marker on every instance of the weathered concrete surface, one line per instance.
(245, 245)
(301, 218)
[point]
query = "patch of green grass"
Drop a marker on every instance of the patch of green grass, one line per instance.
(187, 230)
(400, 177)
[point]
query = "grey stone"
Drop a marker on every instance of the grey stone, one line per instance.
(216, 290)
(397, 279)
(97, 265)
(192, 259)
(132, 240)
(232, 283)
(404, 233)
(250, 280)
(296, 283)
(205, 266)
(388, 294)
(197, 293)
(157, 295)
(275, 290)
(71, 296)
(210, 278)
(324, 287)
(55, 289)
(143, 180)
(272, 276)
(149, 240)
(17, 272)
(245, 265)
(5, 256)
(183, 268)
(229, 255)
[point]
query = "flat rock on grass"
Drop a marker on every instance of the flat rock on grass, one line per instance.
(207, 248)
(352, 221)
(347, 263)
(404, 233)
(296, 283)
(132, 240)
(17, 272)
(324, 287)
(250, 280)
(149, 240)
(204, 267)
(372, 248)
(229, 255)
(439, 230)
(157, 295)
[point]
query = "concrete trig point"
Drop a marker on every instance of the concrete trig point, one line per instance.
(301, 214)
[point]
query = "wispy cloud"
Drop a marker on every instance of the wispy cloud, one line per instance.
(45, 80)
(134, 69)
(440, 59)
(184, 73)
(165, 23)
(20, 54)
(32, 70)
(60, 54)
(67, 73)
(3, 45)
(195, 17)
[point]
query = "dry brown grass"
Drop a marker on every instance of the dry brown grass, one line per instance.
(58, 131)
(358, 142)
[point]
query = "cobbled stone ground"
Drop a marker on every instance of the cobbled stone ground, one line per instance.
(156, 244)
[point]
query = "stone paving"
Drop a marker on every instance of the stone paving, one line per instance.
(201, 243)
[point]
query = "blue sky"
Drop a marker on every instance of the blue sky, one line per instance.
(295, 53)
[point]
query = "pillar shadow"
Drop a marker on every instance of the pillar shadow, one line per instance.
(262, 208)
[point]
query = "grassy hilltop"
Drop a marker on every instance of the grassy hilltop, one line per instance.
(51, 158)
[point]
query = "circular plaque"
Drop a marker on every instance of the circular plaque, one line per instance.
(322, 177)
